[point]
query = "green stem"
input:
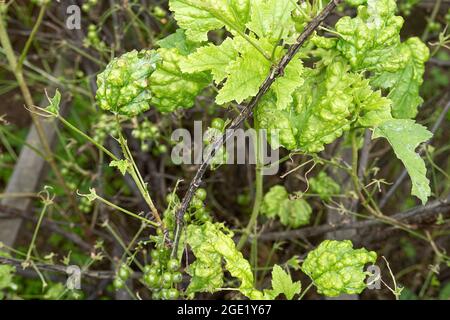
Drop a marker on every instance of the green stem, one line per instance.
(137, 178)
(433, 16)
(31, 37)
(81, 133)
(305, 291)
(114, 206)
(258, 195)
(36, 230)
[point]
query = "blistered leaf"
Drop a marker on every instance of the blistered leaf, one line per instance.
(291, 212)
(171, 88)
(405, 136)
(212, 243)
(295, 213)
(371, 42)
(330, 100)
(123, 86)
(404, 83)
(336, 268)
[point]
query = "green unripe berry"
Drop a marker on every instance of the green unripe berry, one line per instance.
(218, 124)
(177, 277)
(118, 283)
(124, 272)
(152, 280)
(196, 203)
(148, 269)
(201, 194)
(157, 295)
(173, 265)
(159, 12)
(167, 278)
(162, 148)
(165, 294)
(154, 254)
(173, 294)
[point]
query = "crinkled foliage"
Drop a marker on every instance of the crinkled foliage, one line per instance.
(331, 99)
(336, 268)
(123, 86)
(212, 244)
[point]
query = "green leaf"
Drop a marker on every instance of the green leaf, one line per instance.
(293, 263)
(369, 39)
(6, 276)
(212, 58)
(444, 294)
(53, 107)
(282, 283)
(405, 136)
(285, 86)
(272, 19)
(122, 165)
(198, 17)
(245, 75)
(336, 268)
(171, 88)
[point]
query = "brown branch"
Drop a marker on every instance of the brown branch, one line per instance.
(416, 214)
(277, 71)
(59, 269)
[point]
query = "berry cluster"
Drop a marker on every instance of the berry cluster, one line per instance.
(163, 275)
(106, 126)
(93, 40)
(197, 208)
(148, 133)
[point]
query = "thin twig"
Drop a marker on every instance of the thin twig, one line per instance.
(59, 268)
(413, 215)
